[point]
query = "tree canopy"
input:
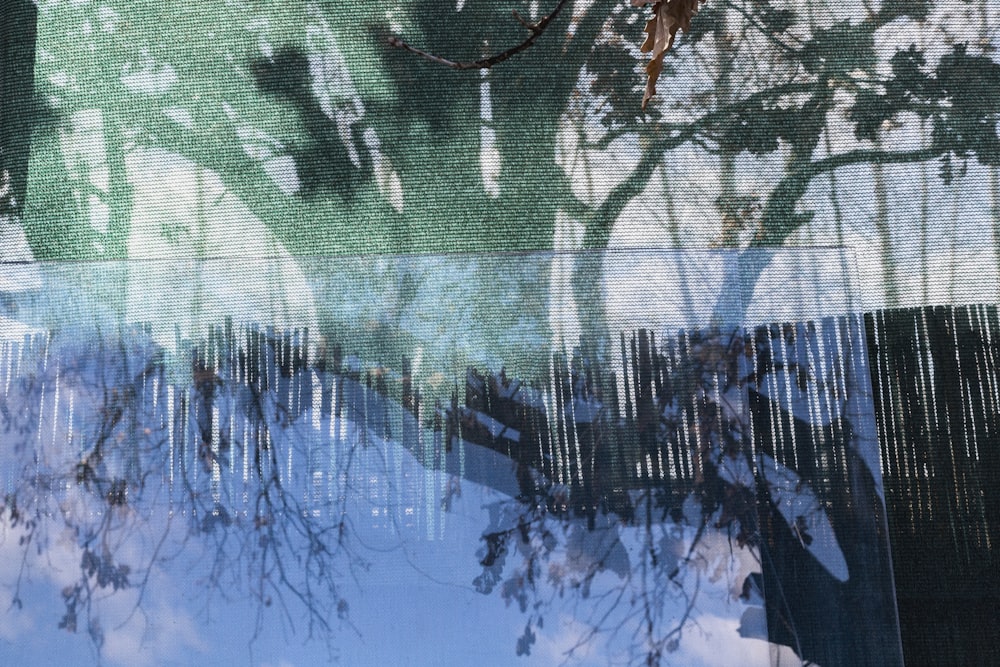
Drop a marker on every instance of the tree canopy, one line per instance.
(321, 136)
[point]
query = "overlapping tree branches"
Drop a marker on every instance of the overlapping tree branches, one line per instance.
(822, 72)
(638, 523)
(633, 521)
(140, 466)
(792, 115)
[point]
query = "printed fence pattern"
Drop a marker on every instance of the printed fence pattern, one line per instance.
(936, 373)
(581, 416)
(771, 430)
(936, 379)
(650, 419)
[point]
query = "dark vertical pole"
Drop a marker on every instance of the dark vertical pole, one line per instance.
(18, 19)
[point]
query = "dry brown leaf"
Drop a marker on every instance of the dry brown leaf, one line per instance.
(669, 16)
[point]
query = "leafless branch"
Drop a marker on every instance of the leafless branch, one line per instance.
(536, 29)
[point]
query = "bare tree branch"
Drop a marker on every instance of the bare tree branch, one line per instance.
(779, 219)
(536, 29)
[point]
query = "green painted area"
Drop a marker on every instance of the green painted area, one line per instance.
(327, 140)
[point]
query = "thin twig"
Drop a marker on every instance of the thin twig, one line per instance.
(536, 29)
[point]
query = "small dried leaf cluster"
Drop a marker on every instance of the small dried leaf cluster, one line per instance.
(669, 16)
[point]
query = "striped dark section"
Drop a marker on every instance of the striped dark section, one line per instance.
(936, 372)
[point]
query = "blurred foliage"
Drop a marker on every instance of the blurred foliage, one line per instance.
(839, 50)
(960, 96)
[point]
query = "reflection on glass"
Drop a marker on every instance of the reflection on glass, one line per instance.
(421, 474)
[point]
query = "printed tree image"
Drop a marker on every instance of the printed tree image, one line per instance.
(646, 477)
